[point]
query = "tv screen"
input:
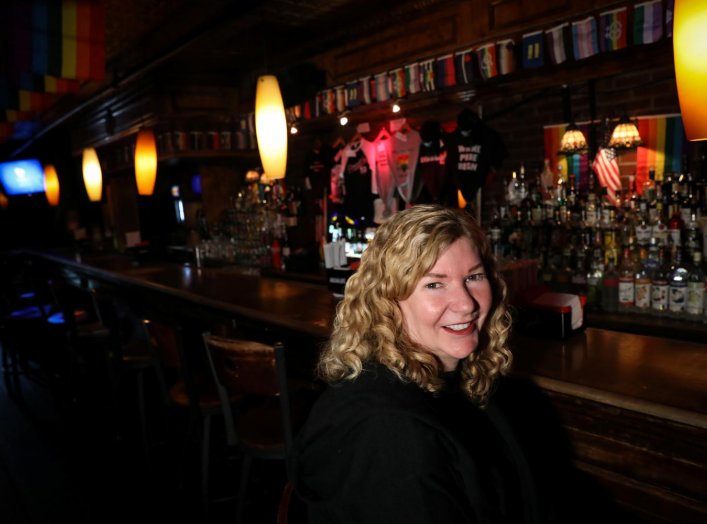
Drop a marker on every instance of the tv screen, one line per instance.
(22, 177)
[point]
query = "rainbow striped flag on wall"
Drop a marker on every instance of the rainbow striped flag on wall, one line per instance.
(663, 146)
(647, 22)
(613, 29)
(486, 55)
(397, 83)
(584, 38)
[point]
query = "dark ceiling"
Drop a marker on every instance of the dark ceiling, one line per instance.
(214, 41)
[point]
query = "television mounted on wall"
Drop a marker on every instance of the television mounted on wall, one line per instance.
(22, 177)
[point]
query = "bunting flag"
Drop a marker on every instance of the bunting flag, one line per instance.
(557, 43)
(486, 55)
(307, 110)
(669, 13)
(397, 83)
(318, 105)
(427, 75)
(505, 56)
(533, 50)
(328, 102)
(366, 97)
(647, 22)
(352, 94)
(606, 167)
(664, 144)
(340, 98)
(464, 66)
(382, 88)
(446, 74)
(612, 29)
(584, 38)
(412, 78)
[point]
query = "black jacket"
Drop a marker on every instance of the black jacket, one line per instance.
(377, 449)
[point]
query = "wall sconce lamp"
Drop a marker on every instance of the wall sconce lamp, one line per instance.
(573, 141)
(271, 127)
(625, 135)
(51, 185)
(689, 50)
(344, 118)
(145, 162)
(396, 106)
(294, 129)
(92, 176)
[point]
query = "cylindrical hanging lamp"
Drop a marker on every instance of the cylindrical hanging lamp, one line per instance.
(145, 162)
(689, 51)
(271, 127)
(51, 185)
(92, 177)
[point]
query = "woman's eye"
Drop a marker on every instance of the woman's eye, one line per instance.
(433, 285)
(476, 277)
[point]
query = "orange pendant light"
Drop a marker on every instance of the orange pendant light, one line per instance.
(51, 185)
(145, 162)
(271, 127)
(689, 51)
(92, 176)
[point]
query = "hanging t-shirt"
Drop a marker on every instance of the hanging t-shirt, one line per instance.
(379, 154)
(471, 155)
(406, 147)
(317, 169)
(356, 173)
(432, 181)
(336, 177)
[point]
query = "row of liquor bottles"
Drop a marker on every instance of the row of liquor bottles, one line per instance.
(635, 252)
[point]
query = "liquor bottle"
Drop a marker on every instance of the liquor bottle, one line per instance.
(590, 210)
(659, 230)
(660, 286)
(677, 297)
(642, 286)
(595, 276)
(695, 288)
(675, 227)
(687, 199)
(495, 234)
(643, 230)
(536, 213)
(610, 284)
(693, 235)
(649, 187)
(547, 178)
(626, 277)
(561, 205)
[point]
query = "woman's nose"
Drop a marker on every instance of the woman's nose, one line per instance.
(464, 300)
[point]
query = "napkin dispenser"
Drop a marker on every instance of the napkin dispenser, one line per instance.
(549, 314)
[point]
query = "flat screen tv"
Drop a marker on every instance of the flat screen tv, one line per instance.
(22, 177)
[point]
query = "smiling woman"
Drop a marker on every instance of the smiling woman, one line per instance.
(409, 429)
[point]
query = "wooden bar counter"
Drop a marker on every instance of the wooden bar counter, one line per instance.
(635, 406)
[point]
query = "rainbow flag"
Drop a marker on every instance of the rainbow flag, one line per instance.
(397, 83)
(505, 55)
(663, 146)
(647, 22)
(584, 38)
(612, 29)
(486, 55)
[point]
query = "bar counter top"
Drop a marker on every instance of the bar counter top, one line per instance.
(656, 376)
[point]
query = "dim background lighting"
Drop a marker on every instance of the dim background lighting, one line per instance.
(271, 126)
(689, 51)
(92, 176)
(51, 185)
(145, 162)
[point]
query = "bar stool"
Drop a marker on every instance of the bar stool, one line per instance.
(263, 427)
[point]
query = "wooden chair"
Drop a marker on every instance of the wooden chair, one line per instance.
(263, 427)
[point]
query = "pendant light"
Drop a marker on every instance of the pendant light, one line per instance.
(145, 162)
(625, 135)
(271, 127)
(51, 185)
(573, 141)
(92, 177)
(689, 51)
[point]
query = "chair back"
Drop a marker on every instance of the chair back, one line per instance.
(249, 368)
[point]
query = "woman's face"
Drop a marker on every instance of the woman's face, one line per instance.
(449, 304)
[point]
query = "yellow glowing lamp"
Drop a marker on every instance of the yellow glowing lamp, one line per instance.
(92, 177)
(51, 185)
(145, 162)
(689, 51)
(271, 127)
(4, 202)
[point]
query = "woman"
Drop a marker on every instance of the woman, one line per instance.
(408, 430)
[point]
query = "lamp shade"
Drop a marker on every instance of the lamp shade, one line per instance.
(145, 162)
(689, 51)
(271, 127)
(625, 135)
(51, 185)
(573, 141)
(92, 176)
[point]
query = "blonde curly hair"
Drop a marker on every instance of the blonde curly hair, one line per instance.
(369, 325)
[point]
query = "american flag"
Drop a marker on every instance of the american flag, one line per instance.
(607, 169)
